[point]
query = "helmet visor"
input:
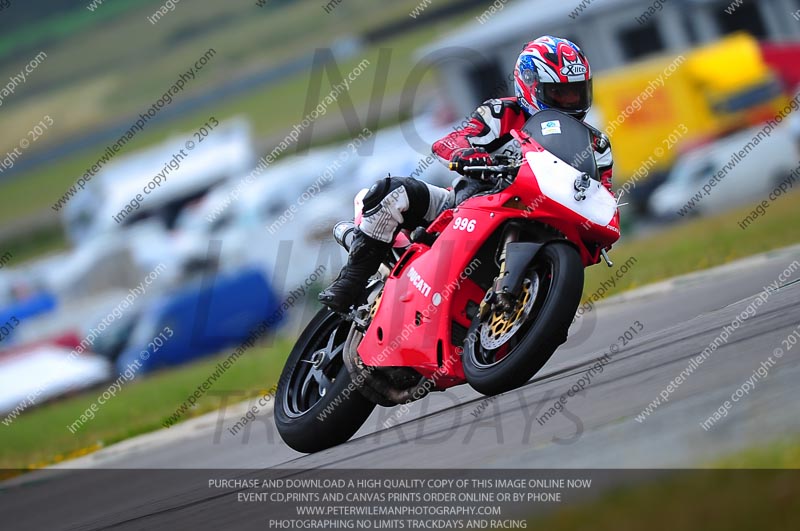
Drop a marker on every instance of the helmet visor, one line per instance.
(575, 96)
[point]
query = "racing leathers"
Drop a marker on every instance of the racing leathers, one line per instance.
(490, 128)
(395, 203)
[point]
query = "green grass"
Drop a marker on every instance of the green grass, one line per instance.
(63, 25)
(780, 454)
(718, 499)
(40, 437)
(107, 65)
(34, 245)
(698, 244)
(39, 189)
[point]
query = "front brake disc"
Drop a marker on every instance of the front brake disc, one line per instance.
(500, 325)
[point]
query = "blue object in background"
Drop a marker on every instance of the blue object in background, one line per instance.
(37, 304)
(204, 317)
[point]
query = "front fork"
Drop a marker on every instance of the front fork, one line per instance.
(513, 262)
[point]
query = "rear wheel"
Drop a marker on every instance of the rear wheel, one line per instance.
(316, 405)
(506, 349)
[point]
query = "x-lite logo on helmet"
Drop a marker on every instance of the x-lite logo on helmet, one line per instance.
(573, 68)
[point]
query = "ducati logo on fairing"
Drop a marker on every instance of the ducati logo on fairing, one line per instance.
(418, 282)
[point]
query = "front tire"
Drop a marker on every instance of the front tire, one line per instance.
(316, 405)
(558, 290)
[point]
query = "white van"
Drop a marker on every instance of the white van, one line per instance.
(687, 190)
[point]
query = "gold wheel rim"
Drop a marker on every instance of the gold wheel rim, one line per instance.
(501, 326)
(374, 308)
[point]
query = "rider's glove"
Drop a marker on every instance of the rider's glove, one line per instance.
(466, 157)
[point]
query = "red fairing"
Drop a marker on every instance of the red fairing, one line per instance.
(426, 301)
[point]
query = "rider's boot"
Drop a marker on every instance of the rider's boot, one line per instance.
(364, 259)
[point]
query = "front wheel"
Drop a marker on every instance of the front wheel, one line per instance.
(317, 406)
(504, 350)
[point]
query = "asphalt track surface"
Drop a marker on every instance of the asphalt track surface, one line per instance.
(460, 429)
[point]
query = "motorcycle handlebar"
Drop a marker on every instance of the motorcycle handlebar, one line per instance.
(500, 168)
(489, 169)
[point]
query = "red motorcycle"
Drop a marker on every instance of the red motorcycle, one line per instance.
(484, 295)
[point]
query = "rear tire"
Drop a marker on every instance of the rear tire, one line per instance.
(318, 407)
(560, 271)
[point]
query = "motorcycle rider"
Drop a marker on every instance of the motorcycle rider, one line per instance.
(550, 73)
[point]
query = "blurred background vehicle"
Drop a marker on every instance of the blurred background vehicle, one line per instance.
(742, 179)
(201, 318)
(101, 207)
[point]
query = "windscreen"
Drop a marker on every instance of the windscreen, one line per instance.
(566, 138)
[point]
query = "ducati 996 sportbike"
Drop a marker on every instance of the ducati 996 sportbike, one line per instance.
(484, 295)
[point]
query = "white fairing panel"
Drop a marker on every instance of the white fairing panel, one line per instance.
(556, 179)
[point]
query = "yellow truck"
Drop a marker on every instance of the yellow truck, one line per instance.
(651, 108)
